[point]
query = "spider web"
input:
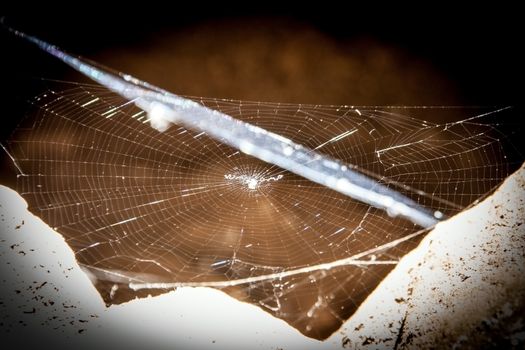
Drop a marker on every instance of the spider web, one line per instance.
(148, 211)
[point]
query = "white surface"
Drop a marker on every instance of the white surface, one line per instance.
(467, 273)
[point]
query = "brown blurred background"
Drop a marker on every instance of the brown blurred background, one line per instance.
(280, 60)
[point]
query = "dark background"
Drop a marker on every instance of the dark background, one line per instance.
(475, 53)
(478, 48)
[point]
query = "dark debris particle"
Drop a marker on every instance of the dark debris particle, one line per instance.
(17, 227)
(80, 331)
(346, 343)
(359, 327)
(463, 277)
(368, 341)
(30, 312)
(43, 284)
(400, 300)
(409, 338)
(22, 253)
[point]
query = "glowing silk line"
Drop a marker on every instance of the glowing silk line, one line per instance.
(165, 108)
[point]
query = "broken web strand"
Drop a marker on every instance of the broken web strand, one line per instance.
(164, 108)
